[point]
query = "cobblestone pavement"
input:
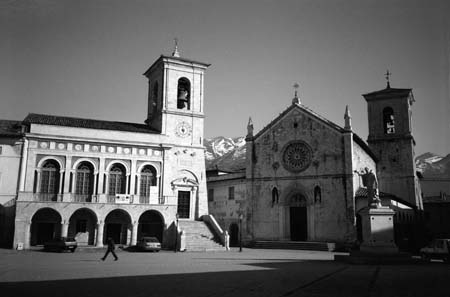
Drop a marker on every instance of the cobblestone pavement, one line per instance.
(251, 273)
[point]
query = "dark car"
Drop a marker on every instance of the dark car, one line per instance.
(61, 244)
(149, 244)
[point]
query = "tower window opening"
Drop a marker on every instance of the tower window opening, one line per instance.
(388, 120)
(184, 96)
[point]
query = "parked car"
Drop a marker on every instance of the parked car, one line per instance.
(436, 249)
(149, 244)
(61, 244)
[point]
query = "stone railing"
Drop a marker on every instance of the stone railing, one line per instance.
(47, 197)
(83, 198)
(223, 235)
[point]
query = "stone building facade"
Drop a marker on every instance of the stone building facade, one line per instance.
(303, 175)
(94, 179)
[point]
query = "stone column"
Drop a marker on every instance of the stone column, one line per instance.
(134, 233)
(100, 227)
(64, 228)
(27, 235)
(23, 168)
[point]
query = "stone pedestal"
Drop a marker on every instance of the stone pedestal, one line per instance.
(378, 230)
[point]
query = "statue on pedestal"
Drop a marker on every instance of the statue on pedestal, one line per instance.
(370, 182)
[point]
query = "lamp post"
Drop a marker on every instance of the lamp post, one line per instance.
(176, 232)
(241, 216)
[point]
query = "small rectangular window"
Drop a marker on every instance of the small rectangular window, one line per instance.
(211, 195)
(231, 193)
(1, 148)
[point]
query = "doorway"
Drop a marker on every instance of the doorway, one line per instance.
(184, 204)
(114, 231)
(298, 223)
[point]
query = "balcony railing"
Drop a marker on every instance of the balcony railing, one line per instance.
(47, 197)
(144, 199)
(83, 198)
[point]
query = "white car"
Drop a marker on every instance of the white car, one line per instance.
(437, 249)
(149, 244)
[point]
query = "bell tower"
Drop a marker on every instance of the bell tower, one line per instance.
(175, 98)
(391, 140)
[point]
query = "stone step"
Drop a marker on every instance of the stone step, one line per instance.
(294, 245)
(199, 236)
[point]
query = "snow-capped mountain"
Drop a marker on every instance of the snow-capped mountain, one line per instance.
(227, 154)
(432, 165)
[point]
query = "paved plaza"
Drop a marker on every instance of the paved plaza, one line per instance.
(251, 273)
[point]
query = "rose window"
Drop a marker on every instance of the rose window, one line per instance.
(297, 156)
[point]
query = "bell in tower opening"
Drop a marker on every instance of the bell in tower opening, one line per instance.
(183, 97)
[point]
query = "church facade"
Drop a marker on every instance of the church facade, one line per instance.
(93, 179)
(304, 174)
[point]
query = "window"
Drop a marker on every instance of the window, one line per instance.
(84, 184)
(317, 194)
(211, 195)
(116, 180)
(148, 179)
(275, 195)
(231, 193)
(50, 180)
(184, 96)
(1, 148)
(388, 120)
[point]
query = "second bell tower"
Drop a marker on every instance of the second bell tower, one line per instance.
(391, 140)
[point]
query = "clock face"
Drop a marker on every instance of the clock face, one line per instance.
(183, 129)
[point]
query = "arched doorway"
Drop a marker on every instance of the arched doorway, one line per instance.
(117, 225)
(234, 234)
(82, 225)
(298, 218)
(151, 223)
(45, 225)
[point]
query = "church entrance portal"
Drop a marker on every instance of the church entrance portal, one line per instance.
(298, 222)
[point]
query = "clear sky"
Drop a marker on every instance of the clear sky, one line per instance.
(86, 58)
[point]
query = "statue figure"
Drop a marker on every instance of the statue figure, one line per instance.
(370, 182)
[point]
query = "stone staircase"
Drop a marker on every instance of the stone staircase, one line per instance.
(294, 245)
(199, 237)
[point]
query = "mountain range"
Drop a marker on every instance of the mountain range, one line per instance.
(228, 154)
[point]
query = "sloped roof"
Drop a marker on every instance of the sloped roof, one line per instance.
(299, 106)
(387, 93)
(10, 128)
(361, 192)
(43, 119)
(327, 122)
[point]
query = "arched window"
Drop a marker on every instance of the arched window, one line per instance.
(154, 96)
(49, 186)
(84, 182)
(275, 195)
(317, 194)
(117, 180)
(184, 94)
(388, 120)
(148, 179)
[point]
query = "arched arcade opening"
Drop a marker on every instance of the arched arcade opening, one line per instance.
(151, 223)
(117, 226)
(82, 225)
(45, 225)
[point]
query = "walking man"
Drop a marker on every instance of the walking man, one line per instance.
(111, 248)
